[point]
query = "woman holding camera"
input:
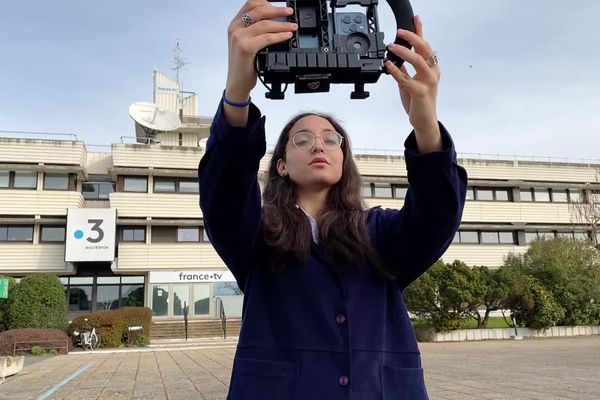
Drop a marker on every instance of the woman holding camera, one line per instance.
(323, 314)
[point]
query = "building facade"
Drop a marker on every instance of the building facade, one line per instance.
(161, 256)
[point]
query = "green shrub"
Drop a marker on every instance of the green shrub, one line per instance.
(37, 351)
(4, 303)
(38, 301)
(44, 338)
(112, 325)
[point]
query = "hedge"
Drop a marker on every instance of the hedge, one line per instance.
(38, 301)
(112, 325)
(44, 338)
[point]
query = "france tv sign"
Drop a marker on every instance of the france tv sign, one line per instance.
(91, 234)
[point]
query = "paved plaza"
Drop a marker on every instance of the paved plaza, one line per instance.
(548, 369)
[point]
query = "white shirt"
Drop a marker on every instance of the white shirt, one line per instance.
(313, 225)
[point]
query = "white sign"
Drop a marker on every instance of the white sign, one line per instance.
(190, 276)
(91, 234)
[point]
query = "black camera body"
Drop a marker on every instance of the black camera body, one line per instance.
(331, 46)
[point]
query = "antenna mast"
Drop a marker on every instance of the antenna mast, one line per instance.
(180, 62)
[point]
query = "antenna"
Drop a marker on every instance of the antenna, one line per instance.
(180, 62)
(151, 119)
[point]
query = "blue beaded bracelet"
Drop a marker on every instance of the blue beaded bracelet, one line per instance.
(236, 103)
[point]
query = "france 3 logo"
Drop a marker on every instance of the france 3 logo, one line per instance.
(96, 235)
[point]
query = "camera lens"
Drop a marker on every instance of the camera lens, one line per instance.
(358, 43)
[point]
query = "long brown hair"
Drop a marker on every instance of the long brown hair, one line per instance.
(342, 228)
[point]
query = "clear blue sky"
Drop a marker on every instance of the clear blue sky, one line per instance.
(519, 77)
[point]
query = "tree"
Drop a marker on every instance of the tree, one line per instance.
(38, 301)
(570, 270)
(495, 285)
(586, 211)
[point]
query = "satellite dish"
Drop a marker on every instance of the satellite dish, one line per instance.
(152, 119)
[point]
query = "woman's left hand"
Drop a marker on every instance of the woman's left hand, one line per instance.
(419, 92)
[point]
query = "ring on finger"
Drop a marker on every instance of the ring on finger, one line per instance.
(247, 19)
(433, 59)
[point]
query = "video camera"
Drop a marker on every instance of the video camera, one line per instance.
(331, 46)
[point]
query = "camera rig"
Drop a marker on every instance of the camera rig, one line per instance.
(331, 46)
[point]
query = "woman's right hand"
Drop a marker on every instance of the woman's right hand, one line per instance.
(246, 41)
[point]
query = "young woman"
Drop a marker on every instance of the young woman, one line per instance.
(323, 315)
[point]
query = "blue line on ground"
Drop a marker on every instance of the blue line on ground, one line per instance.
(64, 381)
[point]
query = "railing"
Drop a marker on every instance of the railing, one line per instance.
(222, 315)
(42, 343)
(39, 134)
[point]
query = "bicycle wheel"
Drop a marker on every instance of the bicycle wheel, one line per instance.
(95, 341)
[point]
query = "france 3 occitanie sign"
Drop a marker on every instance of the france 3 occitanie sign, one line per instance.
(91, 234)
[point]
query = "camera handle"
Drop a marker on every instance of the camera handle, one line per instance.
(403, 12)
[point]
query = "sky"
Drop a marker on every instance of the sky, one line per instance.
(518, 77)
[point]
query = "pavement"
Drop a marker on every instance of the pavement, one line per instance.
(536, 369)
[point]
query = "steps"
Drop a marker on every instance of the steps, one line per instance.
(206, 328)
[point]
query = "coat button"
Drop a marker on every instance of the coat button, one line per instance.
(343, 381)
(340, 319)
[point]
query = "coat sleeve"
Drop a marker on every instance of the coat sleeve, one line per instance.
(411, 239)
(229, 189)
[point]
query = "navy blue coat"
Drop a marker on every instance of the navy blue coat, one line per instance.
(310, 332)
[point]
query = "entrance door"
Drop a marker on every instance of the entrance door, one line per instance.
(201, 299)
(170, 299)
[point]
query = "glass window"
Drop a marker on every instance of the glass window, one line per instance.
(132, 279)
(104, 280)
(87, 280)
(135, 184)
(89, 191)
(489, 237)
(160, 300)
(530, 237)
(485, 194)
(366, 190)
(205, 237)
(4, 179)
(566, 235)
(201, 299)
(80, 298)
(163, 186)
(133, 235)
(107, 297)
(507, 237)
(104, 189)
(20, 234)
(53, 234)
(542, 195)
(132, 295)
(226, 289)
(526, 195)
(400, 192)
(575, 195)
(456, 238)
(188, 187)
(181, 298)
(469, 237)
(25, 180)
(56, 181)
(559, 196)
(470, 194)
(3, 233)
(383, 190)
(188, 234)
(502, 194)
(582, 236)
(546, 235)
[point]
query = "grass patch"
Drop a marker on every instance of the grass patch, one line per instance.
(493, 322)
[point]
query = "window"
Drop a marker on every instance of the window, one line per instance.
(16, 233)
(366, 190)
(400, 191)
(507, 237)
(581, 236)
(97, 191)
(173, 185)
(526, 195)
(485, 194)
(188, 234)
(542, 195)
(503, 194)
(53, 234)
(576, 195)
(162, 186)
(469, 237)
(383, 190)
(133, 234)
(560, 196)
(530, 237)
(205, 238)
(25, 180)
(56, 181)
(139, 185)
(4, 179)
(489, 238)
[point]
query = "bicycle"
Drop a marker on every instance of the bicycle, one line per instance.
(88, 339)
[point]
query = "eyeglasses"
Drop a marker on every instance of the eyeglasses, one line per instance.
(305, 140)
